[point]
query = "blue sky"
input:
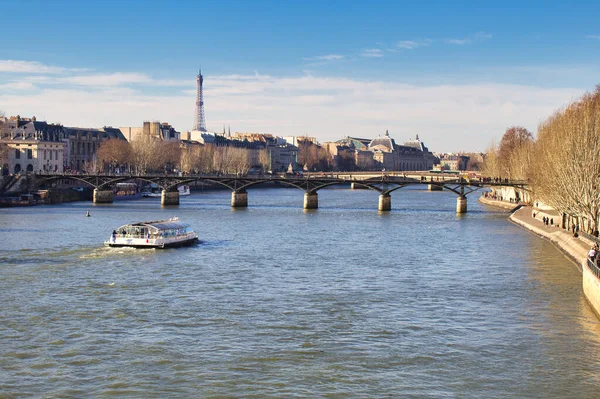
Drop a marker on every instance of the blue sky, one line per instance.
(456, 73)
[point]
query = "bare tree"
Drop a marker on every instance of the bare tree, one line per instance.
(566, 170)
(313, 156)
(264, 160)
(512, 145)
(114, 152)
(490, 165)
(167, 156)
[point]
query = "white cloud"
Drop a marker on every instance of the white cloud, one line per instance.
(113, 79)
(372, 53)
(593, 37)
(482, 36)
(477, 37)
(326, 107)
(460, 42)
(328, 57)
(17, 86)
(16, 66)
(413, 44)
(104, 80)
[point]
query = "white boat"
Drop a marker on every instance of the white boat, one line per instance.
(153, 234)
(154, 191)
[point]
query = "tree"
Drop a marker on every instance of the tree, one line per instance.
(154, 155)
(566, 167)
(114, 152)
(264, 160)
(512, 151)
(313, 156)
(167, 155)
(490, 163)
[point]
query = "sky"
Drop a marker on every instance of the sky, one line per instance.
(457, 73)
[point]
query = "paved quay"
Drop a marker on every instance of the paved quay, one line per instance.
(575, 247)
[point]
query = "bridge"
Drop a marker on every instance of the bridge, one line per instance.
(385, 183)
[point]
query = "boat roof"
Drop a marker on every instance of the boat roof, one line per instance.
(173, 223)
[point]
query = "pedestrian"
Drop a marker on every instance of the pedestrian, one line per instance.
(552, 222)
(592, 254)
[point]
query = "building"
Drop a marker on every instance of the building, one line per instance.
(454, 162)
(156, 130)
(83, 145)
(412, 155)
(352, 153)
(32, 146)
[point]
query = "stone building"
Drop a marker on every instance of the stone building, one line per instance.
(32, 146)
(281, 154)
(156, 130)
(454, 162)
(78, 146)
(412, 155)
(354, 153)
(83, 145)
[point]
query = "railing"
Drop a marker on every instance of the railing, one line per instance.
(590, 237)
(593, 268)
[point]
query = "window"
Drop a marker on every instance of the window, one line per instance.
(29, 153)
(44, 155)
(18, 155)
(56, 154)
(50, 155)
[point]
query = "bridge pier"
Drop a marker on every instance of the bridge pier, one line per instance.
(435, 187)
(461, 204)
(311, 200)
(103, 196)
(169, 197)
(239, 199)
(385, 203)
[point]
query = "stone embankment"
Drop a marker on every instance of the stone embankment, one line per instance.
(576, 248)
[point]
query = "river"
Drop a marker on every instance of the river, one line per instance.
(279, 302)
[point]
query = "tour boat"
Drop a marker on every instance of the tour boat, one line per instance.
(155, 191)
(153, 234)
(126, 191)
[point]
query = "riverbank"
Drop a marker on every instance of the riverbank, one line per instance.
(576, 248)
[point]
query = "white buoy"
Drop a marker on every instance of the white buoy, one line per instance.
(87, 214)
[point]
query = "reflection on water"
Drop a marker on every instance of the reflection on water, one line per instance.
(342, 301)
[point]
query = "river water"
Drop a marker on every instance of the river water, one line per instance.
(280, 302)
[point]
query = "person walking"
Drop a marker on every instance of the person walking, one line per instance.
(592, 254)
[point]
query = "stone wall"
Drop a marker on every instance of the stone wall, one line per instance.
(591, 288)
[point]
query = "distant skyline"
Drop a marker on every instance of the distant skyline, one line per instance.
(455, 73)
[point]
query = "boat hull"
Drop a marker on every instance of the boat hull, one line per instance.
(172, 244)
(127, 197)
(158, 194)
